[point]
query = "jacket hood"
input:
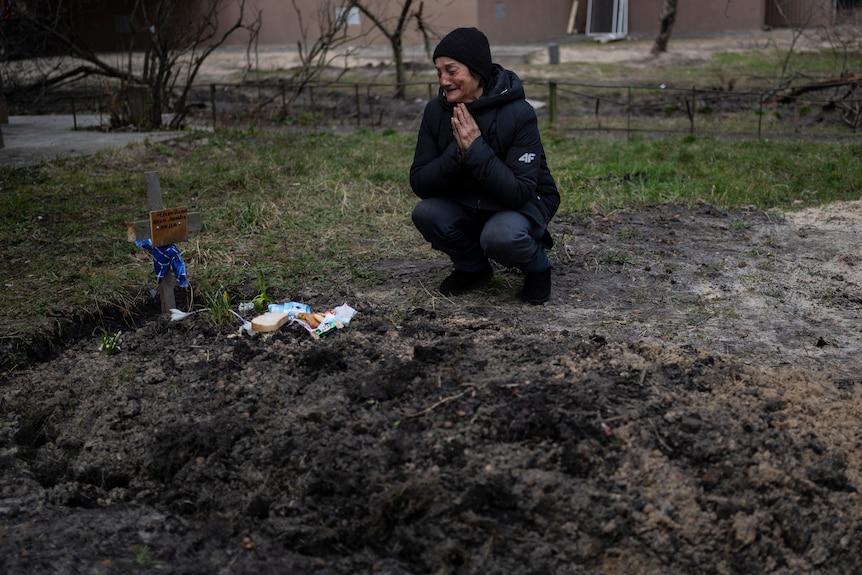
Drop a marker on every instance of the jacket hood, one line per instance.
(504, 86)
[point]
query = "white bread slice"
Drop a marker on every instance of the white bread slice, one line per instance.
(269, 321)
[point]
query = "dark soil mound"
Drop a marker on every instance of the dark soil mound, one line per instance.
(604, 433)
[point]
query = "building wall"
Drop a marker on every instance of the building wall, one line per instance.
(110, 26)
(508, 21)
(281, 21)
(791, 13)
(504, 21)
(698, 16)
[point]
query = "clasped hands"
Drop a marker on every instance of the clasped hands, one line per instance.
(464, 127)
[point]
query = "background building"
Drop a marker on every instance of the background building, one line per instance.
(109, 24)
(511, 21)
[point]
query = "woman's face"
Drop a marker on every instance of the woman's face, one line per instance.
(459, 85)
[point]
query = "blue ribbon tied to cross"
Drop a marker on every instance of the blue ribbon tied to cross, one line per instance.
(159, 235)
(166, 258)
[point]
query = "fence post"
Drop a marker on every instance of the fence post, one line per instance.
(554, 53)
(795, 115)
(693, 109)
(213, 104)
(313, 107)
(629, 112)
(759, 115)
(552, 104)
(370, 105)
(598, 118)
(358, 104)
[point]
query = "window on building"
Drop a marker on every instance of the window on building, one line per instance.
(500, 10)
(352, 16)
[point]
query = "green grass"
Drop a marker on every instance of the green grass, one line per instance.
(746, 67)
(320, 209)
(602, 175)
(317, 210)
(727, 91)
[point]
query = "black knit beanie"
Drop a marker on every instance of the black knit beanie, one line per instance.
(470, 47)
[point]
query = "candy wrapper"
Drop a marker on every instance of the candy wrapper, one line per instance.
(319, 324)
(291, 308)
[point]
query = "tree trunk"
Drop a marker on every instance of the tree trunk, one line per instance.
(668, 15)
(395, 36)
(4, 113)
(400, 76)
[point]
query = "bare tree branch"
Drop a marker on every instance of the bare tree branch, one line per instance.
(395, 35)
(317, 55)
(180, 36)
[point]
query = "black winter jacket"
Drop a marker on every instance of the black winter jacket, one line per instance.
(504, 169)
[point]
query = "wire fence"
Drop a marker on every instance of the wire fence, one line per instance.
(828, 110)
(316, 105)
(831, 110)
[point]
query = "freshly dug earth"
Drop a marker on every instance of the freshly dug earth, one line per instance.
(688, 402)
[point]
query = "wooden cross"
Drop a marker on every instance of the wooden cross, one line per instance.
(164, 227)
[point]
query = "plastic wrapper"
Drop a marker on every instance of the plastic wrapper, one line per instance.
(315, 323)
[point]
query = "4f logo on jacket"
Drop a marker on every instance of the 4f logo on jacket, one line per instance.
(527, 158)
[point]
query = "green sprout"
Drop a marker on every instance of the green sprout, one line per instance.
(111, 343)
(218, 304)
(261, 301)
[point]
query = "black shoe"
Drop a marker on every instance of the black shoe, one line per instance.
(537, 287)
(460, 282)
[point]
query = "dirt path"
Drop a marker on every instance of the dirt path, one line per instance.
(771, 291)
(228, 64)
